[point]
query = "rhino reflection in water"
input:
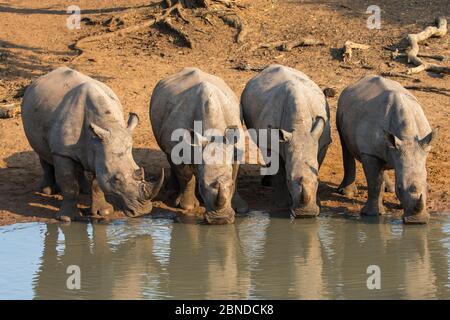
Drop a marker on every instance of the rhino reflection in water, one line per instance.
(327, 258)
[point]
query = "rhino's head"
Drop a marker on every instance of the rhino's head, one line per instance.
(117, 174)
(302, 168)
(215, 175)
(409, 157)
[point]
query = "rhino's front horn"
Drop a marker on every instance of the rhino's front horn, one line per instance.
(221, 198)
(420, 205)
(152, 189)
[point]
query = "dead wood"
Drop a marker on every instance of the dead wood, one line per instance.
(348, 48)
(9, 110)
(412, 52)
(289, 45)
(443, 91)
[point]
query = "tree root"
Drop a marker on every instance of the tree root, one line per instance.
(348, 48)
(185, 40)
(234, 21)
(176, 8)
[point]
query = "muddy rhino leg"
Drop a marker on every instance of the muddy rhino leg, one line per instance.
(48, 183)
(388, 184)
(281, 197)
(238, 204)
(348, 186)
(99, 204)
(375, 182)
(186, 198)
(67, 179)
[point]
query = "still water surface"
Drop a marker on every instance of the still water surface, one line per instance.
(258, 257)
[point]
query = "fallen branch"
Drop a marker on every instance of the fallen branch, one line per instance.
(289, 45)
(432, 89)
(349, 46)
(395, 74)
(9, 110)
(413, 49)
(396, 54)
(244, 66)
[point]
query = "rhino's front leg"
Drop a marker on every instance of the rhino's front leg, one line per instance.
(99, 204)
(373, 169)
(66, 174)
(238, 204)
(281, 197)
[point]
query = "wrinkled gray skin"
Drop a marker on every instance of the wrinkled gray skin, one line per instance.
(179, 100)
(383, 125)
(75, 124)
(286, 99)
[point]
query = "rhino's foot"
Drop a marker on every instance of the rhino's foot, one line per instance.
(102, 209)
(68, 212)
(239, 204)
(68, 217)
(417, 219)
(348, 191)
(281, 201)
(187, 202)
(369, 210)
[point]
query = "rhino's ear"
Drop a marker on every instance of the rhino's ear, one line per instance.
(426, 142)
(100, 133)
(317, 128)
(194, 138)
(392, 140)
(231, 135)
(284, 136)
(133, 121)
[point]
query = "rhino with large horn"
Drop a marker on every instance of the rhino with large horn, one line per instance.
(75, 124)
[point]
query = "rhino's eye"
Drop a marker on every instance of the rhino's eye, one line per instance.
(117, 178)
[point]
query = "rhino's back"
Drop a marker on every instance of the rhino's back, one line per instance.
(372, 105)
(276, 88)
(49, 101)
(191, 95)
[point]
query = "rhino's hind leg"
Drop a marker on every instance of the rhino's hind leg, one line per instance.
(389, 186)
(99, 204)
(48, 183)
(186, 198)
(373, 169)
(66, 174)
(348, 186)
